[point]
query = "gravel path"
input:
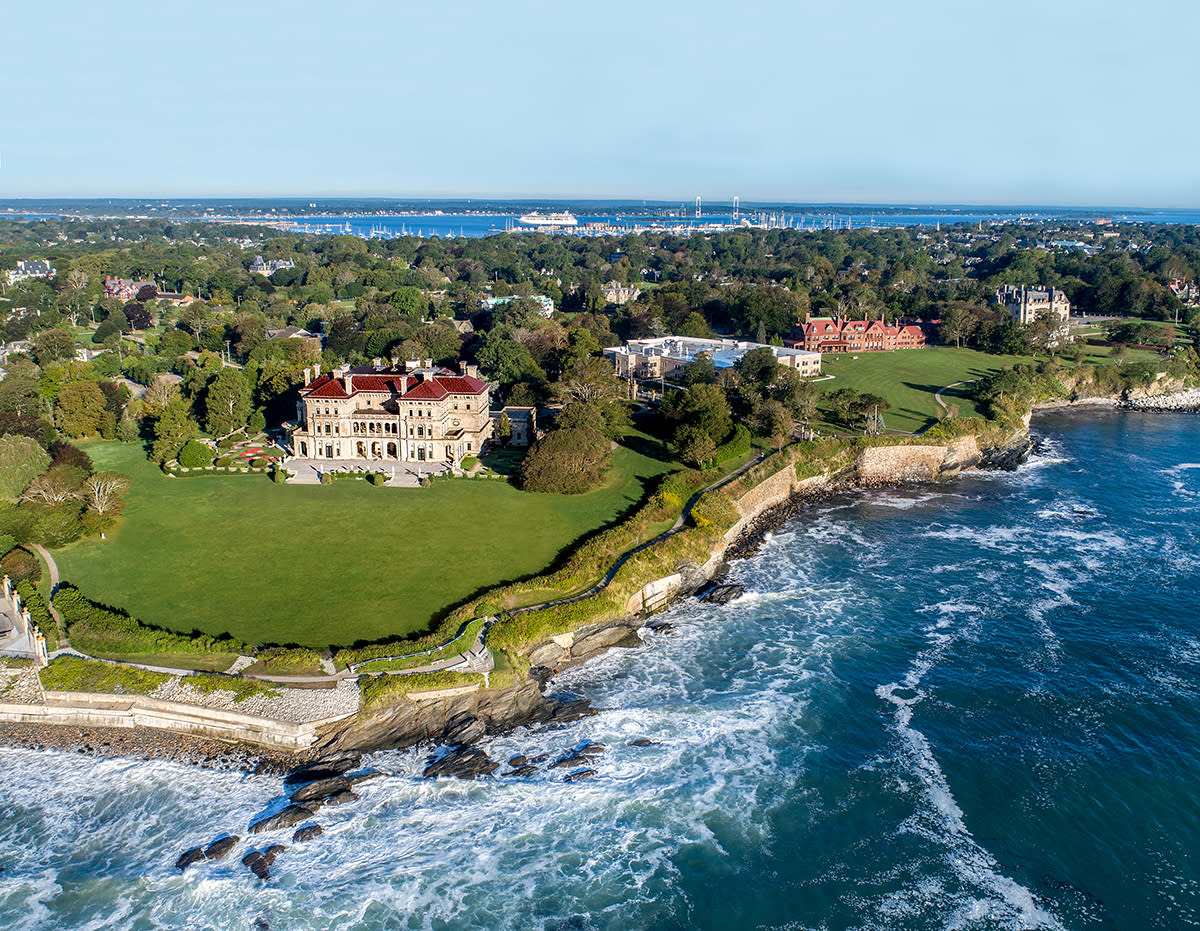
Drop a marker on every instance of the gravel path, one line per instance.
(296, 706)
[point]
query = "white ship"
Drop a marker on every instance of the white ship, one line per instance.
(548, 219)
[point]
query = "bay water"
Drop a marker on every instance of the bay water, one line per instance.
(967, 705)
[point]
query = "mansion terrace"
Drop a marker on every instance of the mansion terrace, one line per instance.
(417, 413)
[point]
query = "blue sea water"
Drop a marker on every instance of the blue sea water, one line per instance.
(970, 705)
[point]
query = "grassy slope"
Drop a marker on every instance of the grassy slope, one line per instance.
(321, 565)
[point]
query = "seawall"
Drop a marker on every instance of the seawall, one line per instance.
(89, 710)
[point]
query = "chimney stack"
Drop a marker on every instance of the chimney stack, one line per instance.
(307, 376)
(471, 371)
(349, 383)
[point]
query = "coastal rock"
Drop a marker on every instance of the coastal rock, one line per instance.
(293, 814)
(579, 774)
(255, 862)
(340, 799)
(307, 833)
(188, 857)
(325, 768)
(461, 763)
(659, 626)
(272, 852)
(221, 846)
(581, 753)
(519, 760)
(463, 728)
(603, 639)
(321, 789)
(723, 594)
(520, 772)
(643, 742)
(547, 655)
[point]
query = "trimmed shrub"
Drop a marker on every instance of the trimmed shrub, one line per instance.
(195, 454)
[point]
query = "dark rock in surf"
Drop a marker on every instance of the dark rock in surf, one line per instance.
(461, 763)
(722, 594)
(220, 847)
(643, 742)
(307, 833)
(320, 790)
(188, 857)
(579, 774)
(293, 814)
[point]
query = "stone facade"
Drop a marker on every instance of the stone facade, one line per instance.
(832, 334)
(1026, 303)
(413, 414)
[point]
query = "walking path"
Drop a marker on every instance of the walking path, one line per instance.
(52, 569)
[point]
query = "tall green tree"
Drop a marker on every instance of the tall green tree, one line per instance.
(226, 402)
(81, 408)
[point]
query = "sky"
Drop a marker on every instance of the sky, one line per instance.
(1053, 102)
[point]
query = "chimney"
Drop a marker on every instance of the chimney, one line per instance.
(412, 365)
(349, 383)
(307, 376)
(316, 371)
(428, 363)
(471, 371)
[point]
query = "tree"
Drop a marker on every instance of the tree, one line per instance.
(81, 408)
(590, 379)
(566, 461)
(695, 446)
(705, 406)
(173, 427)
(56, 345)
(21, 459)
(700, 371)
(774, 420)
(226, 402)
(146, 293)
(136, 315)
(57, 485)
(758, 366)
(796, 393)
(504, 429)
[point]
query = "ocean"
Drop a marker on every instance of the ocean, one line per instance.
(971, 705)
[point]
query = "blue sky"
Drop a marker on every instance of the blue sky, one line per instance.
(1051, 102)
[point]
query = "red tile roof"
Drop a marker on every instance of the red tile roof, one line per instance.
(426, 391)
(330, 388)
(326, 388)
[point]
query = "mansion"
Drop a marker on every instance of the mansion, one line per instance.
(410, 414)
(832, 334)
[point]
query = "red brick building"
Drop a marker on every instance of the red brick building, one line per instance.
(832, 334)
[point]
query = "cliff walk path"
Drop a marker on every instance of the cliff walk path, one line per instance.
(477, 658)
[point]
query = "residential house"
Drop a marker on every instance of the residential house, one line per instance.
(124, 289)
(617, 293)
(35, 268)
(546, 305)
(269, 267)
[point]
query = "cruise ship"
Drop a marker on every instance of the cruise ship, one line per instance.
(548, 219)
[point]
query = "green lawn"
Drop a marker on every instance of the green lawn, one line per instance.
(323, 565)
(909, 378)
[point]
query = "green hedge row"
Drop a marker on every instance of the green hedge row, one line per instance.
(39, 613)
(94, 628)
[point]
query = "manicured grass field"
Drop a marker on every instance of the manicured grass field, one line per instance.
(323, 565)
(909, 378)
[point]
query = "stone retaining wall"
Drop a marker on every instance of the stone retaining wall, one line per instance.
(86, 709)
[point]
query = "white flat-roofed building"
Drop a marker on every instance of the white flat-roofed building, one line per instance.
(664, 356)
